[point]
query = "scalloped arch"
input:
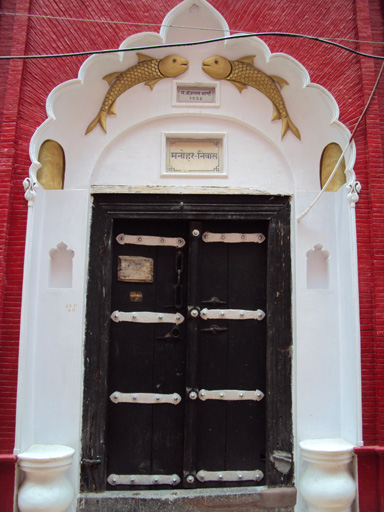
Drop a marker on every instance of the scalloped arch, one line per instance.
(73, 104)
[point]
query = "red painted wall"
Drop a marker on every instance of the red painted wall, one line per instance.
(25, 85)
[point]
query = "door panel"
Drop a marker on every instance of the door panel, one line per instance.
(231, 435)
(129, 438)
(146, 358)
(214, 354)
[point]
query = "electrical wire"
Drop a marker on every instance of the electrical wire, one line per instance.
(305, 212)
(110, 22)
(195, 43)
(142, 24)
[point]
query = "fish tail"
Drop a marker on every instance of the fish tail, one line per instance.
(99, 119)
(92, 124)
(288, 125)
(103, 120)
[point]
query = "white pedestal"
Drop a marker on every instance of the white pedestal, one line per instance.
(327, 484)
(46, 487)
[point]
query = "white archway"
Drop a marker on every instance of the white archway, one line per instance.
(129, 158)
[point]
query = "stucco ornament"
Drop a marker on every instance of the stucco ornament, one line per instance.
(29, 187)
(242, 73)
(148, 70)
(354, 189)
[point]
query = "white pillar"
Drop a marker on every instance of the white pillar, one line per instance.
(46, 487)
(327, 484)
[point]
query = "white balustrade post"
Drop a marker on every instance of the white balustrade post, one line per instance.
(46, 487)
(327, 484)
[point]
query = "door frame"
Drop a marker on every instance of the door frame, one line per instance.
(274, 209)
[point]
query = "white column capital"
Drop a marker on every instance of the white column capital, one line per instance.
(46, 487)
(327, 484)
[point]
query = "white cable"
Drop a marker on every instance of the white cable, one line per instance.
(305, 212)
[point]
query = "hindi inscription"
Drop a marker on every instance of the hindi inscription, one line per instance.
(194, 155)
(197, 94)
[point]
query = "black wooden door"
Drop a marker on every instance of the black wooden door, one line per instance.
(214, 360)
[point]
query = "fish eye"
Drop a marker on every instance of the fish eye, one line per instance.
(216, 61)
(174, 60)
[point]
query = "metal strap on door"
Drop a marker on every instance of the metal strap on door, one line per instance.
(202, 476)
(147, 317)
(161, 241)
(229, 476)
(144, 398)
(232, 395)
(232, 314)
(143, 479)
(233, 238)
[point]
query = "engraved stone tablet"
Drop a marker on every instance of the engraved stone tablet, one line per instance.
(196, 94)
(194, 155)
(135, 269)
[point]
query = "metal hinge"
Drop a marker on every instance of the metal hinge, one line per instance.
(233, 238)
(232, 314)
(144, 398)
(229, 476)
(231, 395)
(143, 479)
(147, 317)
(150, 240)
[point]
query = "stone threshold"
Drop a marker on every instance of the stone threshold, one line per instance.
(245, 499)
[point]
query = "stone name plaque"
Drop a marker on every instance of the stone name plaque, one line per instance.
(194, 156)
(135, 269)
(196, 94)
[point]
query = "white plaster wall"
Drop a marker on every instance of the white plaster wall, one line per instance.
(350, 376)
(252, 161)
(327, 351)
(326, 341)
(50, 391)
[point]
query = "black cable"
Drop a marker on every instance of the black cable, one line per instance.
(195, 43)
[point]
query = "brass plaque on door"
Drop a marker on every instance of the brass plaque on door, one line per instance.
(136, 296)
(135, 269)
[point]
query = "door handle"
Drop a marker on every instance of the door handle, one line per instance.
(215, 329)
(213, 301)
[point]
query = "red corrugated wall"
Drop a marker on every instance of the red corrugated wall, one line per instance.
(24, 87)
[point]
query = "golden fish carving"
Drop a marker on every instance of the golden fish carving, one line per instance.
(242, 73)
(148, 70)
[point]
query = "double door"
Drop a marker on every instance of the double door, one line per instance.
(186, 381)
